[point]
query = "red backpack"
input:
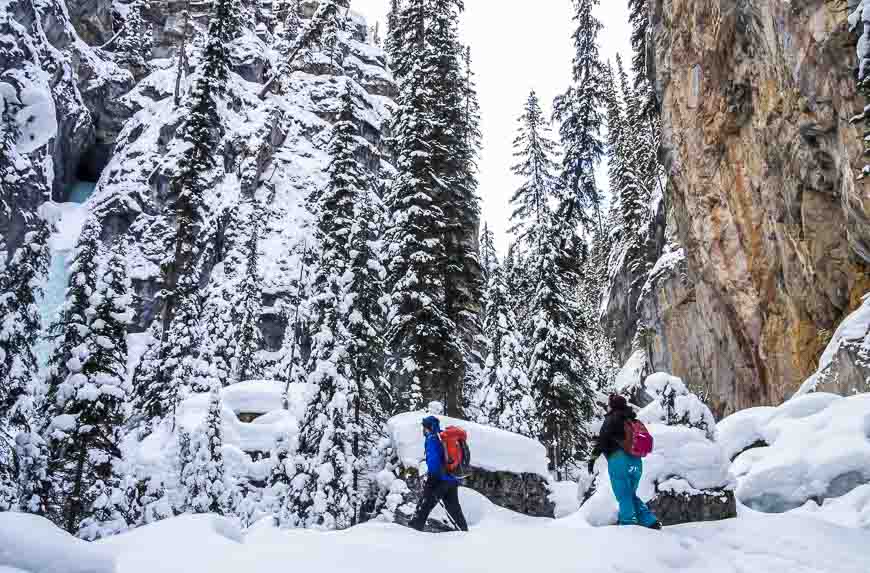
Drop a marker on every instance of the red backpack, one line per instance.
(457, 455)
(638, 440)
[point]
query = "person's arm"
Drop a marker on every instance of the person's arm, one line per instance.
(607, 428)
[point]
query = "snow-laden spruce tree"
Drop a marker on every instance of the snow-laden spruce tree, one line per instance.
(281, 484)
(578, 112)
(33, 484)
(553, 323)
(84, 435)
(454, 146)
(675, 405)
(424, 353)
(346, 318)
(219, 328)
(20, 324)
(559, 366)
(71, 326)
(249, 305)
(170, 370)
(134, 40)
(505, 399)
(23, 483)
(298, 47)
(488, 255)
(207, 486)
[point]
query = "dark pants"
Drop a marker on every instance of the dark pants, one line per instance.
(437, 490)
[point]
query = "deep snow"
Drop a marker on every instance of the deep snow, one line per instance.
(499, 541)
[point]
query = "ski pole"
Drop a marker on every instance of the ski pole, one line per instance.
(449, 517)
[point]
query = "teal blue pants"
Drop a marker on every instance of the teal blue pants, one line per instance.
(625, 471)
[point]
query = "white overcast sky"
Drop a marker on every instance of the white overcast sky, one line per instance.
(517, 46)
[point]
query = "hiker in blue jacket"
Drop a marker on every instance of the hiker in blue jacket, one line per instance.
(624, 469)
(440, 485)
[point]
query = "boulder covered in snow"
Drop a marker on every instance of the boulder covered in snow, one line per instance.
(509, 469)
(843, 367)
(811, 448)
(686, 478)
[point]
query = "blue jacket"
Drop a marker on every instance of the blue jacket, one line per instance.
(435, 453)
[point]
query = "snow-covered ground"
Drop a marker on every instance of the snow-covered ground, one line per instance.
(499, 541)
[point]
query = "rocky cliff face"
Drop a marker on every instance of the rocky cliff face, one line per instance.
(85, 113)
(756, 99)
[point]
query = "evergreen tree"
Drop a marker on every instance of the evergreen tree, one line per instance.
(249, 305)
(488, 255)
(424, 354)
(20, 324)
(547, 278)
(219, 327)
(207, 486)
(322, 30)
(134, 40)
(392, 28)
(454, 145)
(152, 396)
(218, 354)
(84, 435)
(345, 318)
(182, 306)
(534, 151)
(579, 112)
(559, 366)
(506, 399)
(281, 487)
(70, 328)
(34, 484)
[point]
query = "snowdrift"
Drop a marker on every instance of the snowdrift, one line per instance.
(32, 544)
(505, 542)
(264, 397)
(813, 447)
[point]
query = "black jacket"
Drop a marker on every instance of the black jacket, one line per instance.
(612, 433)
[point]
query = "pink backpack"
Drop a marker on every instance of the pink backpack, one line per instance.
(638, 440)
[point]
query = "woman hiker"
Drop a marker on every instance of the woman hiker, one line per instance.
(625, 469)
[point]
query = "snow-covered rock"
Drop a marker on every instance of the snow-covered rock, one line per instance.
(818, 447)
(684, 463)
(491, 449)
(32, 544)
(844, 366)
(508, 469)
(686, 477)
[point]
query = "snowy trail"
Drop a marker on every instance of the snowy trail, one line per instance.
(500, 541)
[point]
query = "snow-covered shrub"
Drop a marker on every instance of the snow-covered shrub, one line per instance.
(674, 405)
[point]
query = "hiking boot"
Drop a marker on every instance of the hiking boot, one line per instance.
(657, 526)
